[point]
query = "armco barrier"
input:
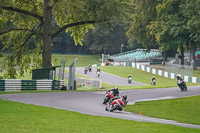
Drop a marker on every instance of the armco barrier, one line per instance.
(88, 82)
(18, 85)
(164, 73)
(2, 85)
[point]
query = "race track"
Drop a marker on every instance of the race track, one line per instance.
(107, 78)
(91, 102)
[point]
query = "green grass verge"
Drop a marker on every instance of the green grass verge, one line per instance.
(186, 110)
(22, 118)
(140, 76)
(83, 60)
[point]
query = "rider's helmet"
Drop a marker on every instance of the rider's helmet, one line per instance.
(115, 89)
(153, 76)
(124, 97)
(129, 75)
(178, 76)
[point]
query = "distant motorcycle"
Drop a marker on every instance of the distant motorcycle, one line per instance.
(98, 74)
(85, 71)
(182, 85)
(129, 80)
(108, 96)
(90, 69)
(153, 82)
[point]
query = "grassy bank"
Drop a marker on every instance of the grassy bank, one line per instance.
(186, 110)
(83, 60)
(21, 118)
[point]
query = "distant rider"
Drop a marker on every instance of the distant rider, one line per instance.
(89, 68)
(98, 70)
(86, 69)
(153, 81)
(129, 76)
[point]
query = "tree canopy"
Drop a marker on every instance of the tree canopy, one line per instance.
(42, 20)
(171, 24)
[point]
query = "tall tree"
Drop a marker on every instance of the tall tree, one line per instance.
(170, 26)
(144, 13)
(190, 10)
(22, 20)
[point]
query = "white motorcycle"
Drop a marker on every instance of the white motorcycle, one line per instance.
(129, 80)
(98, 74)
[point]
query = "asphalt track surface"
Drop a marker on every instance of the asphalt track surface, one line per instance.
(107, 78)
(91, 102)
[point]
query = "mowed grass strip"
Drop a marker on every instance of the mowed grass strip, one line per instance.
(83, 60)
(141, 76)
(186, 110)
(22, 118)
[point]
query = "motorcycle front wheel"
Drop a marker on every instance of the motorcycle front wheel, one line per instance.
(113, 108)
(106, 99)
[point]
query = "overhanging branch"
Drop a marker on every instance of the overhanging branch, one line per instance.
(9, 30)
(23, 12)
(71, 25)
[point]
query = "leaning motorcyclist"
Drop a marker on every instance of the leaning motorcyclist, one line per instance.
(178, 77)
(114, 91)
(122, 102)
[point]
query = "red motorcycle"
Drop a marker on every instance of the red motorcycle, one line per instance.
(116, 105)
(108, 96)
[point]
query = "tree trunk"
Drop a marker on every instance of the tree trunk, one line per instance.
(192, 53)
(46, 49)
(165, 56)
(182, 54)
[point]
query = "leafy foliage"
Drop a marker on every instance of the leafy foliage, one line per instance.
(24, 31)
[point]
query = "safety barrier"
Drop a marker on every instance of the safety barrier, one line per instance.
(88, 82)
(19, 85)
(165, 73)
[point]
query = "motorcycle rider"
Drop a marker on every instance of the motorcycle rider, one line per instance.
(178, 77)
(98, 70)
(153, 81)
(129, 76)
(115, 91)
(86, 69)
(90, 68)
(122, 103)
(112, 96)
(181, 83)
